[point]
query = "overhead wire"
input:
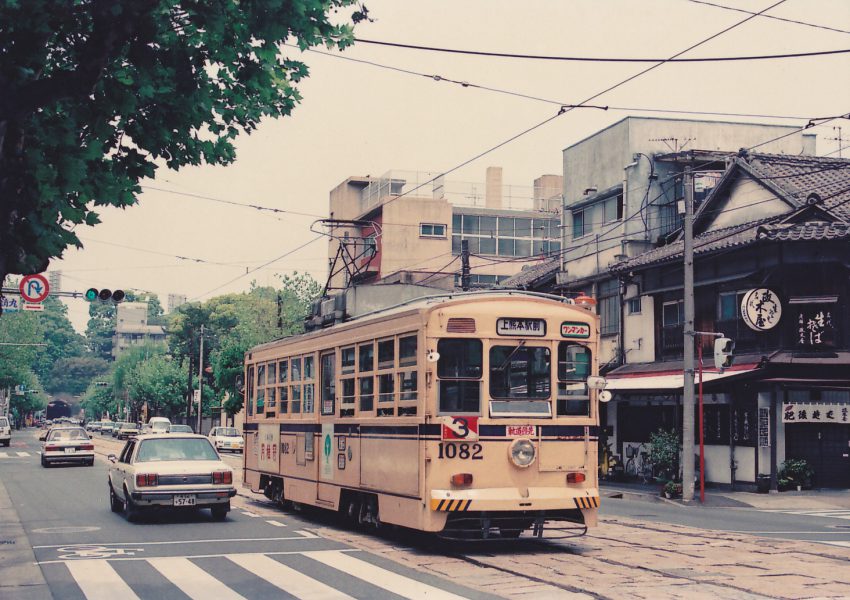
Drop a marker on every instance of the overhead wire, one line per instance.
(741, 10)
(601, 59)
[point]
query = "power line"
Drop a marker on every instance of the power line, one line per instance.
(599, 59)
(147, 251)
(770, 16)
(468, 84)
(232, 203)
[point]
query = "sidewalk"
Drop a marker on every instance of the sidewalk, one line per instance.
(21, 577)
(805, 500)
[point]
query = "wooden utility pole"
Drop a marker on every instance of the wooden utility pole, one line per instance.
(200, 382)
(688, 350)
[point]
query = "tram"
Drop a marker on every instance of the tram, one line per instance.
(473, 415)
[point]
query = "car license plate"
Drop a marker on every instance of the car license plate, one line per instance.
(184, 500)
(70, 450)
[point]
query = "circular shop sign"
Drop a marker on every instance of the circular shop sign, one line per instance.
(34, 288)
(761, 309)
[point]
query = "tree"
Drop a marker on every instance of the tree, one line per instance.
(158, 381)
(62, 340)
(73, 375)
(103, 318)
(94, 92)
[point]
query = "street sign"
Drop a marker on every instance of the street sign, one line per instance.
(196, 396)
(34, 288)
(10, 303)
(33, 306)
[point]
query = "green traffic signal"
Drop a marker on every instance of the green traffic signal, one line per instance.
(91, 294)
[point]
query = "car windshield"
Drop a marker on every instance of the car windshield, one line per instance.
(176, 449)
(4, 422)
(66, 435)
(129, 426)
(227, 432)
(181, 429)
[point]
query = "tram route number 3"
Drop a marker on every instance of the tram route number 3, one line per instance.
(462, 451)
(460, 428)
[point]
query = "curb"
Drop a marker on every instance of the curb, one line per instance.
(21, 578)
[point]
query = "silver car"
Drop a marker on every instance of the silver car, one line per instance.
(169, 470)
(5, 431)
(67, 445)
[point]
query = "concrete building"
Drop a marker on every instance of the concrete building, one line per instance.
(131, 327)
(175, 301)
(409, 228)
(54, 279)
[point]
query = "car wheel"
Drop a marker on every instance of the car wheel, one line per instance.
(219, 511)
(114, 503)
(7, 442)
(130, 509)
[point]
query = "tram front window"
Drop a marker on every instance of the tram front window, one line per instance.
(520, 381)
(459, 370)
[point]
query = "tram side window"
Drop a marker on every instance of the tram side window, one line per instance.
(271, 389)
(347, 360)
(386, 354)
(407, 385)
(283, 390)
(249, 391)
(309, 386)
(407, 351)
(346, 402)
(328, 376)
(574, 364)
(386, 395)
(459, 370)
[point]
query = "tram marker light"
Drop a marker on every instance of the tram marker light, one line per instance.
(575, 477)
(461, 479)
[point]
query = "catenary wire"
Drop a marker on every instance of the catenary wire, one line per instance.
(741, 10)
(600, 59)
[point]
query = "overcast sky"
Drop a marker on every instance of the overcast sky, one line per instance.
(360, 119)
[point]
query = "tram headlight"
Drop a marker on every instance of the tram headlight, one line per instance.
(522, 453)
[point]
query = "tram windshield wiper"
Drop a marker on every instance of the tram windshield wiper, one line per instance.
(507, 361)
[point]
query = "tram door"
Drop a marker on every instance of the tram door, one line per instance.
(325, 451)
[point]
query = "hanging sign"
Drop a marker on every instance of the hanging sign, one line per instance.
(326, 450)
(761, 309)
(764, 428)
(816, 413)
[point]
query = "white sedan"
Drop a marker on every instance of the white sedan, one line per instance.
(168, 470)
(226, 438)
(67, 444)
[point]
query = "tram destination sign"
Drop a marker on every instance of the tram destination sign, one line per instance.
(522, 327)
(574, 329)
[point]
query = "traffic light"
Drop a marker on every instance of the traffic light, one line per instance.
(723, 353)
(93, 294)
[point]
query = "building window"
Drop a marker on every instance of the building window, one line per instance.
(612, 209)
(432, 230)
(609, 307)
(673, 313)
(505, 236)
(729, 306)
(578, 224)
(634, 306)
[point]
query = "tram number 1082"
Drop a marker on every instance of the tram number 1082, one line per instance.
(463, 451)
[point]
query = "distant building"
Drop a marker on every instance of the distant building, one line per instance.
(132, 329)
(410, 228)
(54, 279)
(175, 301)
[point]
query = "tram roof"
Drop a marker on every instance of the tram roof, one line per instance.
(416, 304)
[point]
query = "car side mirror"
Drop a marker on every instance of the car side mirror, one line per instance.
(112, 458)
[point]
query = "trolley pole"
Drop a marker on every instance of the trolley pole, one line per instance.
(200, 381)
(688, 350)
(464, 265)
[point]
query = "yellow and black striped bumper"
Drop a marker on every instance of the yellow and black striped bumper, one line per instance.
(450, 505)
(587, 502)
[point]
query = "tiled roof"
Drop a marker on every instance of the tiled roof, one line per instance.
(801, 176)
(796, 232)
(532, 274)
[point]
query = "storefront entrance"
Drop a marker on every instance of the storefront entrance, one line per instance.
(826, 447)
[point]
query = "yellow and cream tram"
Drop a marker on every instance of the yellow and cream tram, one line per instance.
(472, 415)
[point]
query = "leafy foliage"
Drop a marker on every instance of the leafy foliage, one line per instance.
(664, 450)
(94, 93)
(73, 375)
(795, 472)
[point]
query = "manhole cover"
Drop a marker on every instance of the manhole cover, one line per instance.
(65, 529)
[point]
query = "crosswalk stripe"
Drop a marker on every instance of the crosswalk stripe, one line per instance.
(393, 582)
(249, 514)
(842, 544)
(286, 578)
(3, 455)
(275, 523)
(99, 581)
(829, 514)
(192, 580)
(23, 453)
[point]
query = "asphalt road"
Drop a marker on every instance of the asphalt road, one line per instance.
(826, 526)
(86, 551)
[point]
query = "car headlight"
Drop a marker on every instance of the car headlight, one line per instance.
(521, 452)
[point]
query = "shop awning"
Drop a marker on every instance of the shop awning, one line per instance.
(670, 381)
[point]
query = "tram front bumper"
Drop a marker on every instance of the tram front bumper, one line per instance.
(513, 499)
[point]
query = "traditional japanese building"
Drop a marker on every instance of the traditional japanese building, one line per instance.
(771, 272)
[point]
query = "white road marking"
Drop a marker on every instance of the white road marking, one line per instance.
(192, 580)
(99, 581)
(192, 556)
(23, 453)
(170, 542)
(3, 455)
(286, 578)
(842, 544)
(822, 513)
(249, 514)
(276, 523)
(393, 582)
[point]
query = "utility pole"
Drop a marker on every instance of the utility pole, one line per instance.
(200, 381)
(688, 389)
(464, 265)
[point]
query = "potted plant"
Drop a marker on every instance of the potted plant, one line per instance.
(795, 473)
(672, 489)
(664, 449)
